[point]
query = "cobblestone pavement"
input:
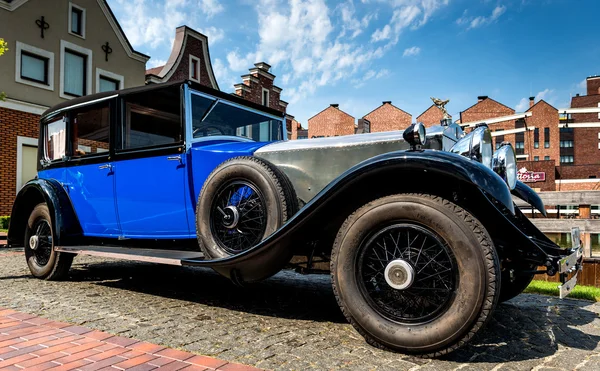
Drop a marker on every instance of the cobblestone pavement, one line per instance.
(289, 322)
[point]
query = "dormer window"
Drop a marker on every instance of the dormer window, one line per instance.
(194, 69)
(76, 20)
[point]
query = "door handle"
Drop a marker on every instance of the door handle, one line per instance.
(175, 158)
(106, 166)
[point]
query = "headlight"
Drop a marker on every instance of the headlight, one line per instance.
(504, 163)
(415, 134)
(477, 145)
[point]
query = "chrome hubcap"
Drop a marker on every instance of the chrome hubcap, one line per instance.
(34, 242)
(399, 274)
(231, 217)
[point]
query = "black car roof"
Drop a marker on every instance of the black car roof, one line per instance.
(141, 89)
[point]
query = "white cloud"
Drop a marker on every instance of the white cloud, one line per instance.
(407, 13)
(238, 63)
(214, 34)
(370, 74)
(546, 94)
(412, 51)
(582, 85)
(523, 105)
(479, 21)
(350, 22)
(211, 7)
(155, 63)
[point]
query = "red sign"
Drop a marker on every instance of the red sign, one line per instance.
(531, 176)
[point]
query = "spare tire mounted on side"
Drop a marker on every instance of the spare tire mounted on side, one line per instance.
(243, 201)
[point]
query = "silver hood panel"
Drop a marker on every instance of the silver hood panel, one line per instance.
(311, 164)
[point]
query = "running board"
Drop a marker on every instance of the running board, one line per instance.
(171, 257)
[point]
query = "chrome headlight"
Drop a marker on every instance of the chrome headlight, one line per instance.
(504, 163)
(477, 145)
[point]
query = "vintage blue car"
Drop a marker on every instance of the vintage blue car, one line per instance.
(418, 229)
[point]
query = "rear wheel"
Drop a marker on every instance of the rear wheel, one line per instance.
(415, 273)
(43, 261)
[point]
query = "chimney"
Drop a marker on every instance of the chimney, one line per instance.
(262, 66)
(481, 97)
(387, 102)
(577, 94)
(531, 101)
(334, 105)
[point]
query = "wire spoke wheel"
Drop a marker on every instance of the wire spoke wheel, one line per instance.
(407, 273)
(40, 242)
(238, 216)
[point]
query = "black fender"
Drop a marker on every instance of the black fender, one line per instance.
(64, 219)
(448, 175)
(525, 193)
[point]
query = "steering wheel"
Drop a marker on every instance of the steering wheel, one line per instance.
(206, 128)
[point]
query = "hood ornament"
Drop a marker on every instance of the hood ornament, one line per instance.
(441, 104)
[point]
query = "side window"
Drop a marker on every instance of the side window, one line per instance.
(152, 119)
(90, 128)
(56, 140)
(226, 119)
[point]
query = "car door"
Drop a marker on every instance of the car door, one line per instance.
(150, 167)
(89, 176)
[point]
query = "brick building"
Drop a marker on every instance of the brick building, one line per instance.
(330, 122)
(388, 117)
(189, 59)
(48, 65)
(431, 116)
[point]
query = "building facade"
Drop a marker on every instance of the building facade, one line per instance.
(189, 59)
(54, 54)
(388, 117)
(331, 122)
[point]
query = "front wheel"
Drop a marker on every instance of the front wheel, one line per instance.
(43, 261)
(415, 273)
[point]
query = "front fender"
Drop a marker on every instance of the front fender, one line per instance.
(525, 193)
(64, 220)
(442, 173)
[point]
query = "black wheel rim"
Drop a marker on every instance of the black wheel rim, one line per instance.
(41, 242)
(238, 216)
(431, 265)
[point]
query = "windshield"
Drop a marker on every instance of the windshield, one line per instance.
(210, 118)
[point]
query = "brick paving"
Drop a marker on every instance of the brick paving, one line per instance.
(288, 322)
(35, 343)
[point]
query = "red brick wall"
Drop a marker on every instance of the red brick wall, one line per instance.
(543, 116)
(593, 85)
(585, 140)
(193, 46)
(12, 124)
(388, 117)
(489, 108)
(256, 91)
(432, 116)
(330, 122)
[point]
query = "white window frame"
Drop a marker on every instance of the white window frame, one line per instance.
(40, 52)
(192, 58)
(111, 75)
(79, 49)
(21, 142)
(83, 20)
(268, 97)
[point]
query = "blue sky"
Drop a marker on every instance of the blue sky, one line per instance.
(358, 53)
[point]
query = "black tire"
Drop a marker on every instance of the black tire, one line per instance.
(470, 289)
(271, 202)
(515, 286)
(43, 261)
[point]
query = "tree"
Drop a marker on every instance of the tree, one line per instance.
(3, 49)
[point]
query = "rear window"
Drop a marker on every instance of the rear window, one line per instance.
(56, 140)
